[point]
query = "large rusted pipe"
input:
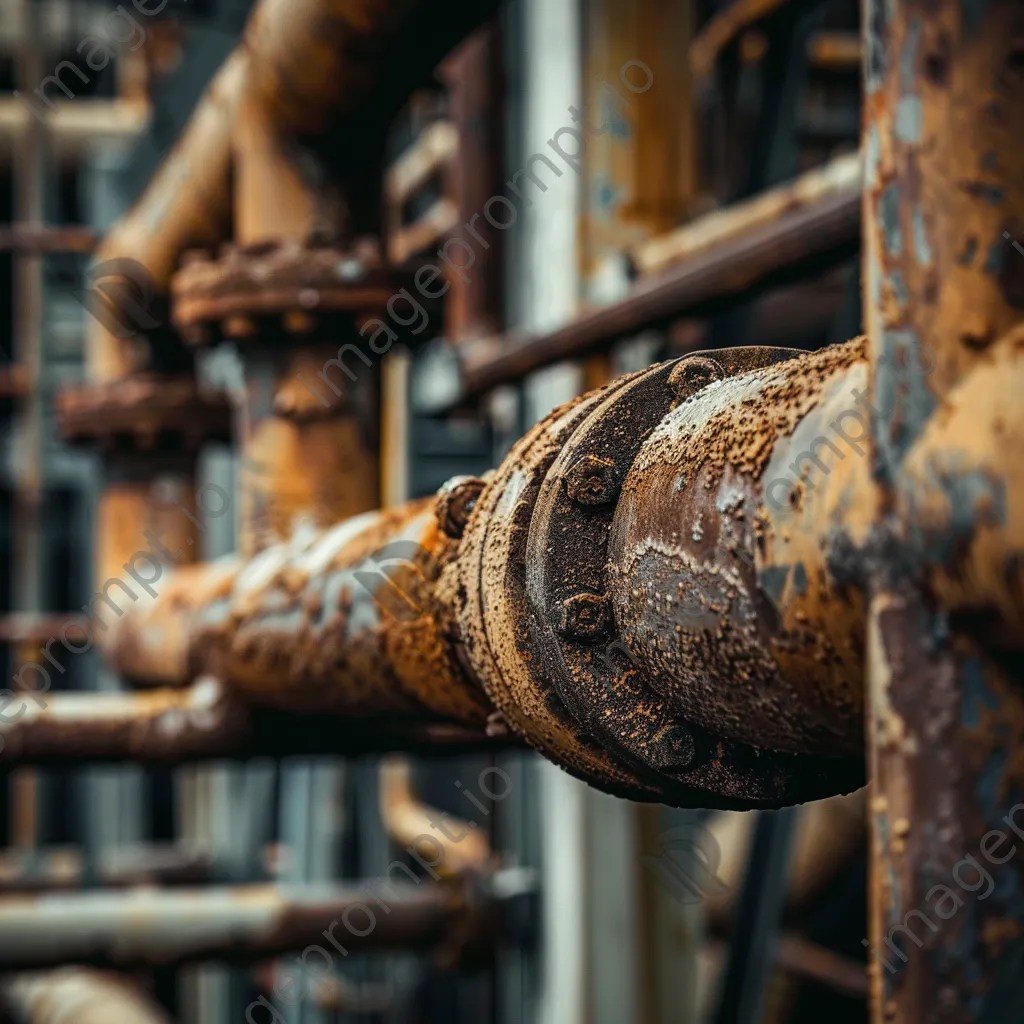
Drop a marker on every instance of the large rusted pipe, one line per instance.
(73, 995)
(421, 609)
(943, 217)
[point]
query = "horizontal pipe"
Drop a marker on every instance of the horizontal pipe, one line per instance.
(798, 242)
(659, 589)
(202, 722)
(65, 868)
(151, 927)
(841, 176)
(27, 238)
(530, 593)
(341, 619)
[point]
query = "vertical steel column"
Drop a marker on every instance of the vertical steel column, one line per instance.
(944, 201)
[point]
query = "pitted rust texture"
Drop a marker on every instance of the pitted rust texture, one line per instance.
(947, 729)
(959, 500)
(270, 290)
(151, 643)
(538, 626)
(455, 501)
(74, 995)
(144, 413)
(490, 590)
(345, 620)
(695, 554)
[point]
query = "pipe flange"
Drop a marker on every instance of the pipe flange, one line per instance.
(493, 609)
(283, 292)
(541, 633)
(143, 413)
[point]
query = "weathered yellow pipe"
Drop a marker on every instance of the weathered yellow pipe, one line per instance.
(308, 63)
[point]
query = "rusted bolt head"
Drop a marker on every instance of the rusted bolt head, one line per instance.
(591, 480)
(584, 616)
(456, 499)
(674, 748)
(694, 373)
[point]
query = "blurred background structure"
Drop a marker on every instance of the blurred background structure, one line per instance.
(269, 273)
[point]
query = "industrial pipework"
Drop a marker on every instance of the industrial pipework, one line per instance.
(618, 593)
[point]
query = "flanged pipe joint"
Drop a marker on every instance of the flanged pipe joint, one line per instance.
(656, 589)
(643, 616)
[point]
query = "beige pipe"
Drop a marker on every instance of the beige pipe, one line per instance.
(72, 995)
(408, 821)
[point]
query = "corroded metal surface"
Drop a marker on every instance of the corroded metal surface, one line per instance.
(164, 725)
(943, 207)
(959, 500)
(309, 439)
(150, 644)
(628, 589)
(73, 995)
(145, 413)
(703, 584)
(585, 660)
(349, 620)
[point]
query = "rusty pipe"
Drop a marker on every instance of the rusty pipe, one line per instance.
(204, 721)
(427, 609)
(73, 995)
(661, 587)
(311, 63)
